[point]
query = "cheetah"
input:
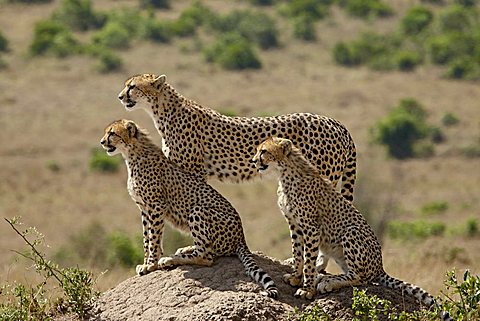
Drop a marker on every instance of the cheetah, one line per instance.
(201, 140)
(320, 218)
(164, 192)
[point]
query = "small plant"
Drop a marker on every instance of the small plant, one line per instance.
(450, 119)
(462, 68)
(471, 227)
(31, 302)
(232, 51)
(53, 166)
(406, 60)
(314, 313)
(100, 161)
(434, 208)
(462, 299)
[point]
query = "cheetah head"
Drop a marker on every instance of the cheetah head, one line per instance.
(272, 150)
(141, 91)
(118, 136)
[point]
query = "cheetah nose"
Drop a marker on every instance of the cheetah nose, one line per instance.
(102, 142)
(120, 97)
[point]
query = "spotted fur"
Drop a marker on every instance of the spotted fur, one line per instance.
(164, 192)
(200, 140)
(320, 218)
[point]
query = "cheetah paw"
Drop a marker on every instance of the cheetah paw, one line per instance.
(143, 269)
(305, 294)
(185, 250)
(292, 279)
(324, 287)
(165, 263)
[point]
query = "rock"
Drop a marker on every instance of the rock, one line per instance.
(222, 292)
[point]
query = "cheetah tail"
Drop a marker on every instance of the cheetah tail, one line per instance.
(349, 173)
(256, 273)
(415, 291)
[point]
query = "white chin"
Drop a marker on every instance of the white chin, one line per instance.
(115, 152)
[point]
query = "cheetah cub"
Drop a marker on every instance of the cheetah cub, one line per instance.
(320, 218)
(163, 192)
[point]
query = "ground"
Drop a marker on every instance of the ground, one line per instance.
(221, 292)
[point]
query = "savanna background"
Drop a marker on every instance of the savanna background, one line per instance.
(380, 67)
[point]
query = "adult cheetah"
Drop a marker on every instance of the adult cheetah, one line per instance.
(320, 218)
(164, 192)
(201, 140)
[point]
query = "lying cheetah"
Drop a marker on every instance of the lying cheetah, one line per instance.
(200, 140)
(320, 218)
(163, 192)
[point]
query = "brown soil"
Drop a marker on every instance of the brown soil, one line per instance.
(222, 292)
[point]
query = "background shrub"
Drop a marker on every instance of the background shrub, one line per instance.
(51, 37)
(416, 20)
(161, 4)
(367, 48)
(108, 61)
(415, 229)
(232, 51)
(455, 18)
(316, 9)
(156, 30)
(402, 128)
(449, 119)
(406, 60)
(112, 35)
(366, 8)
(78, 15)
(100, 161)
(304, 28)
(3, 42)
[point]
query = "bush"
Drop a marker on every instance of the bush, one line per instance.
(200, 14)
(100, 161)
(462, 68)
(455, 18)
(161, 4)
(406, 60)
(448, 47)
(183, 27)
(449, 119)
(262, 2)
(78, 15)
(401, 129)
(416, 20)
(367, 48)
(121, 251)
(156, 30)
(314, 8)
(367, 8)
(304, 28)
(232, 51)
(434, 208)
(3, 42)
(462, 298)
(257, 27)
(112, 35)
(50, 37)
(108, 61)
(417, 229)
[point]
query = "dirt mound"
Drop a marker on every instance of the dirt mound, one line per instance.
(221, 292)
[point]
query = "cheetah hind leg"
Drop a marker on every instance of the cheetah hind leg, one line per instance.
(195, 258)
(329, 283)
(185, 250)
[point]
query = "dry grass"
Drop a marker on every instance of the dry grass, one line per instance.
(55, 111)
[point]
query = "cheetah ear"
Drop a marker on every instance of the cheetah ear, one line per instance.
(159, 81)
(131, 129)
(286, 145)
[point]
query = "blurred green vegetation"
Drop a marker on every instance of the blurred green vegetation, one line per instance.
(100, 161)
(447, 37)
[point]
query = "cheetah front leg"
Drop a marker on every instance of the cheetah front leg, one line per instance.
(198, 254)
(153, 225)
(311, 243)
(296, 237)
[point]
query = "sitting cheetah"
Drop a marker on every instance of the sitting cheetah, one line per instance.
(320, 218)
(163, 192)
(200, 140)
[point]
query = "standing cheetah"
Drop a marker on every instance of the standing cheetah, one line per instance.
(320, 218)
(164, 192)
(200, 140)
